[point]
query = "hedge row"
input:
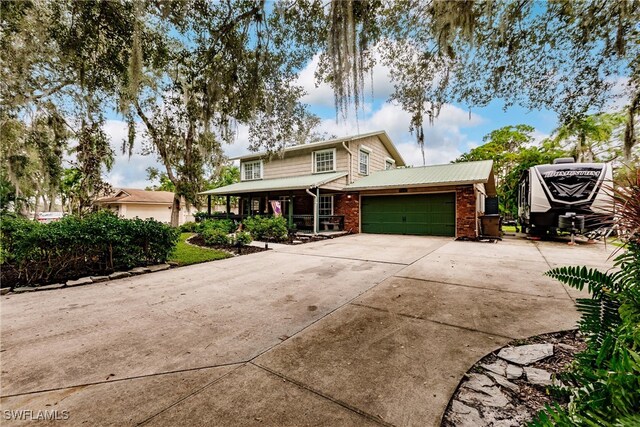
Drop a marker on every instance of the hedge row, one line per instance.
(72, 247)
(272, 229)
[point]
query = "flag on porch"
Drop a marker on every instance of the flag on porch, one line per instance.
(277, 208)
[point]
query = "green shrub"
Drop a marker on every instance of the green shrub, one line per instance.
(95, 244)
(267, 228)
(215, 236)
(243, 238)
(189, 227)
(225, 225)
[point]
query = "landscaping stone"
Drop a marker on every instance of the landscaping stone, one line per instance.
(159, 267)
(98, 279)
(525, 397)
(465, 416)
(481, 389)
(50, 287)
(478, 382)
(513, 372)
(139, 270)
(296, 242)
(173, 263)
(80, 282)
(538, 376)
(498, 367)
(566, 347)
(4, 291)
(526, 354)
(119, 275)
(501, 380)
(23, 290)
(490, 396)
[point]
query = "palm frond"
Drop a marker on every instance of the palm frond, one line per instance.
(579, 277)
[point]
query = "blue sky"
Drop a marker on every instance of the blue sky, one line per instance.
(453, 133)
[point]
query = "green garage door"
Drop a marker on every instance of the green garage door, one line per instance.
(424, 214)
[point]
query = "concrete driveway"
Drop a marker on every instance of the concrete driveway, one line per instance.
(360, 330)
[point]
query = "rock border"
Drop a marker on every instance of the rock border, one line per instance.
(509, 386)
(89, 279)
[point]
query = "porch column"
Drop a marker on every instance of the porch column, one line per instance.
(290, 210)
(208, 204)
(228, 205)
(316, 212)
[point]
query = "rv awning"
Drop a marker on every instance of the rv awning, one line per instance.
(277, 184)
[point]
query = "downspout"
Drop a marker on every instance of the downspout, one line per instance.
(344, 144)
(315, 210)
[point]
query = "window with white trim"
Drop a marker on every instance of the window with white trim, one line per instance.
(364, 162)
(252, 170)
(325, 205)
(388, 164)
(324, 160)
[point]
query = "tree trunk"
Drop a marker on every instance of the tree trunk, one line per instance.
(175, 211)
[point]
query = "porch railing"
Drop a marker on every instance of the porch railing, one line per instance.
(326, 222)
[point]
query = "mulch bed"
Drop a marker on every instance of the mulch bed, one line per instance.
(530, 398)
(243, 250)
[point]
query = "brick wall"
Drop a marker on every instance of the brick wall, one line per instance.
(466, 212)
(350, 208)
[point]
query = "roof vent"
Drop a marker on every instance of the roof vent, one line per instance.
(563, 160)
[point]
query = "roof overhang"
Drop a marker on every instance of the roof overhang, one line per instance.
(447, 175)
(130, 202)
(421, 185)
(276, 184)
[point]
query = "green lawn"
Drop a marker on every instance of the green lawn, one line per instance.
(187, 254)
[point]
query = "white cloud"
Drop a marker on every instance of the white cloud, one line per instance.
(128, 172)
(620, 94)
(444, 140)
(377, 86)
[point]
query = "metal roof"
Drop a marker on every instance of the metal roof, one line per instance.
(134, 195)
(386, 141)
(425, 176)
(289, 183)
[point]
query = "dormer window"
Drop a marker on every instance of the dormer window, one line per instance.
(389, 164)
(252, 170)
(324, 160)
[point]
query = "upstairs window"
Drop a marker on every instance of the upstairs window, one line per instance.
(364, 162)
(388, 164)
(324, 161)
(252, 170)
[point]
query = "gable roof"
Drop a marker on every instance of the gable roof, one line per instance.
(382, 135)
(426, 176)
(288, 183)
(133, 195)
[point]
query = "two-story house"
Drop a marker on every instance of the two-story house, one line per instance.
(361, 184)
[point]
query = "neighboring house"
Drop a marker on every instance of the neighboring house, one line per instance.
(131, 203)
(360, 184)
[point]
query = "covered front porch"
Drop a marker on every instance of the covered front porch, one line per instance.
(312, 207)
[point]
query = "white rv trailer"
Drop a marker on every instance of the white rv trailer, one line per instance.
(565, 196)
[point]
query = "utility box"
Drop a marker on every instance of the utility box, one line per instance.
(490, 225)
(491, 206)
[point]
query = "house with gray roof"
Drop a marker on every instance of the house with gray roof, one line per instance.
(361, 184)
